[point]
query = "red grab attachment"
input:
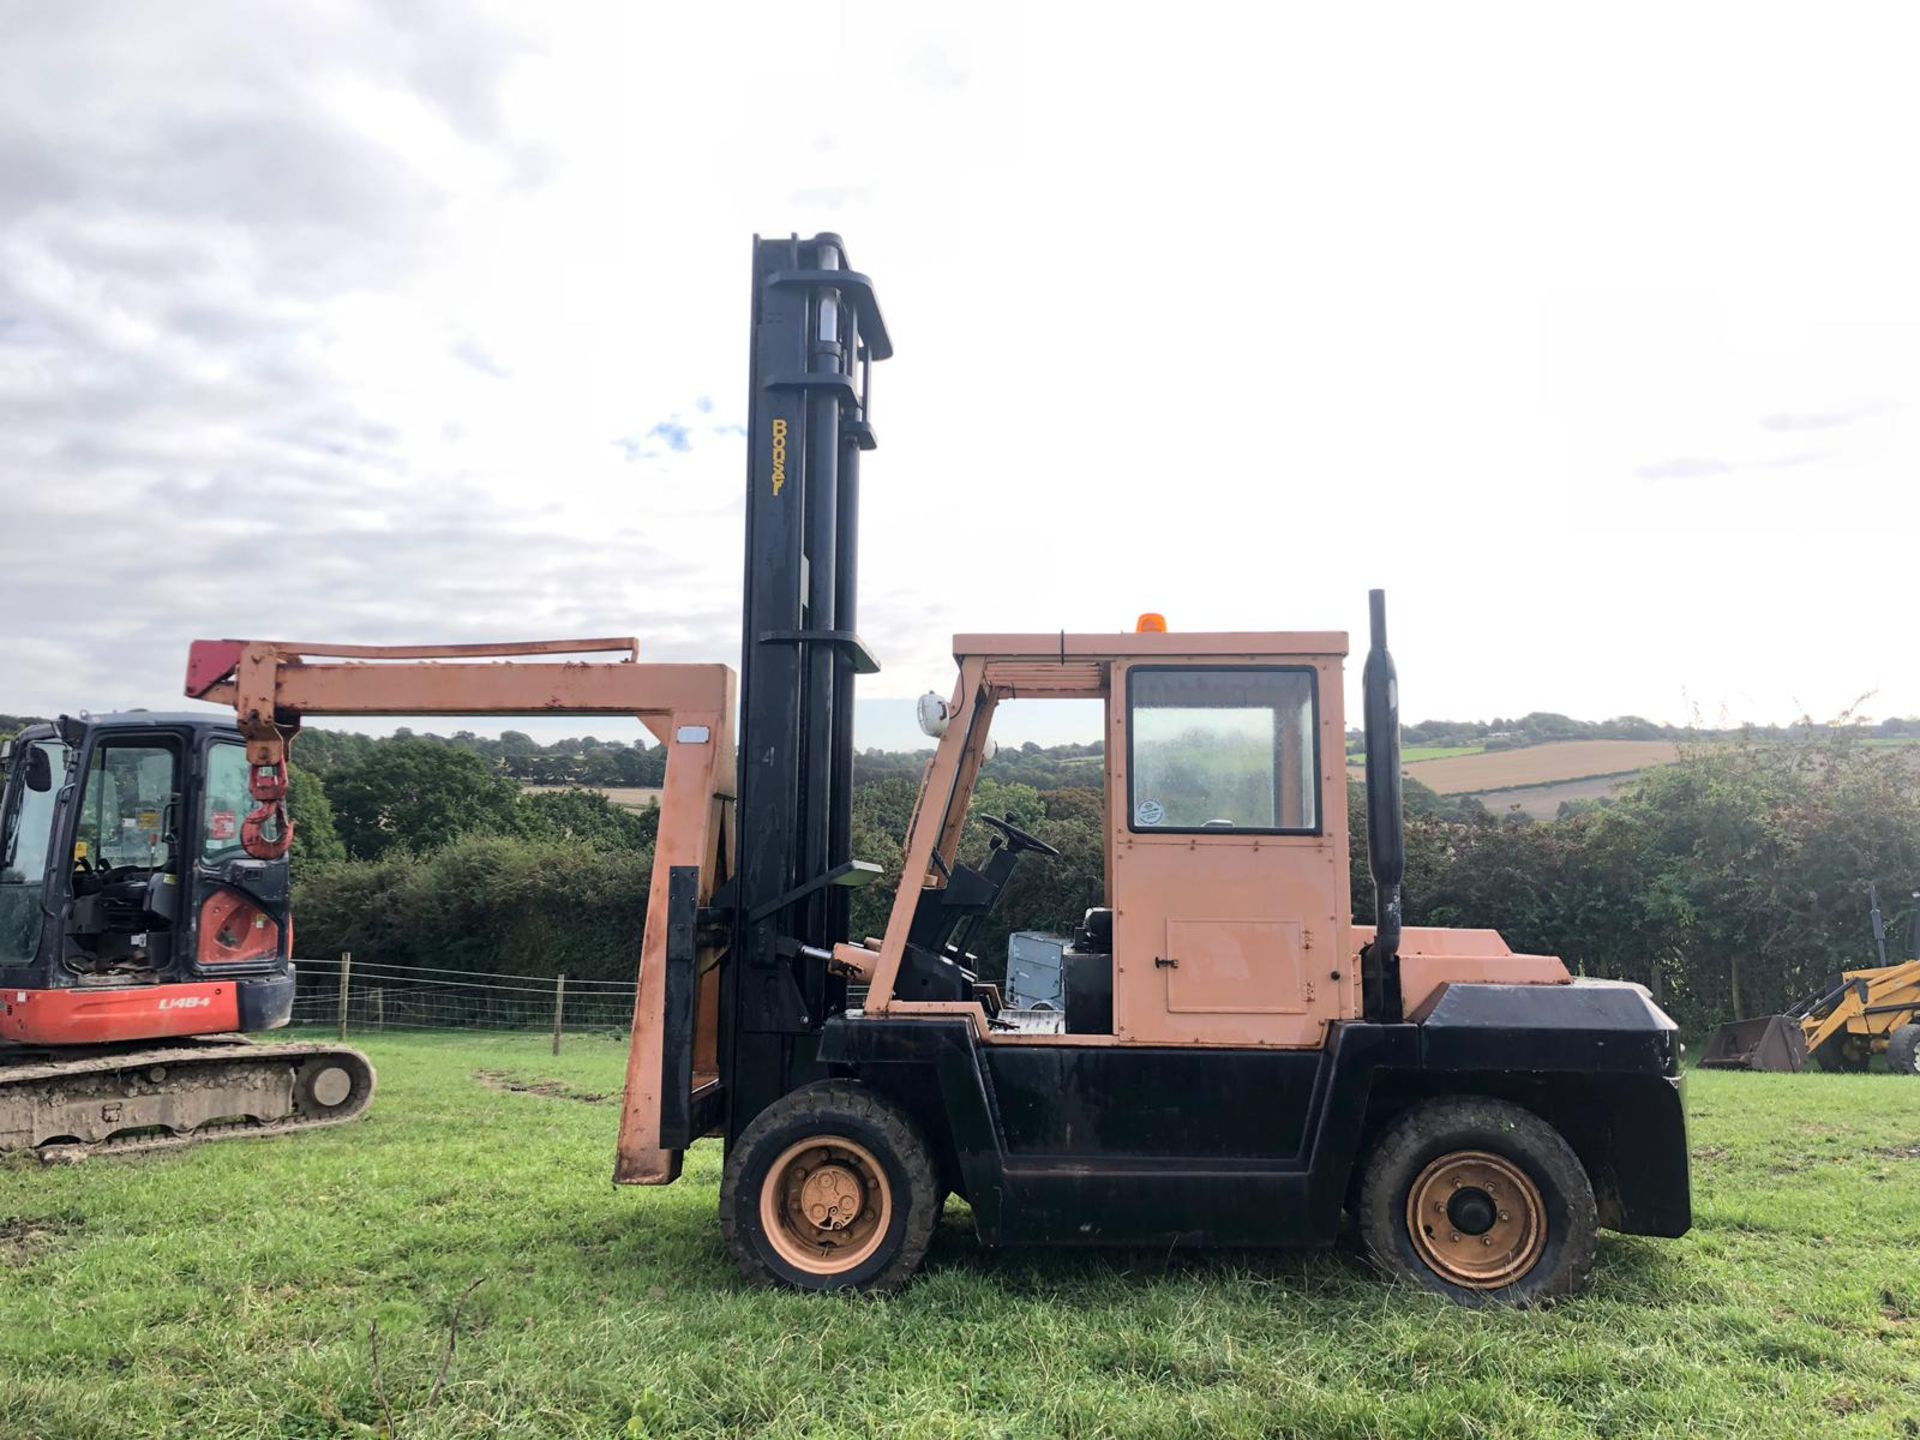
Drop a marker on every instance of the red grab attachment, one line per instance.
(267, 834)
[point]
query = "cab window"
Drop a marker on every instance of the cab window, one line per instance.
(226, 803)
(26, 836)
(126, 809)
(1223, 749)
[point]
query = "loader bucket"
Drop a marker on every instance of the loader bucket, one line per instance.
(1767, 1042)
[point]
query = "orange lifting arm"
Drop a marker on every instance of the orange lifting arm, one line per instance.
(274, 685)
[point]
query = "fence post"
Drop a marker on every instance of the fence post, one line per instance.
(379, 999)
(559, 1006)
(346, 969)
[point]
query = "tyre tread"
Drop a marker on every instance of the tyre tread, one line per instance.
(1903, 1050)
(1395, 1159)
(827, 1102)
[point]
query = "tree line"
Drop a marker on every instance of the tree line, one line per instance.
(1731, 882)
(1545, 727)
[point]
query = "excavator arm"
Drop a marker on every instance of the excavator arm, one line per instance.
(673, 1086)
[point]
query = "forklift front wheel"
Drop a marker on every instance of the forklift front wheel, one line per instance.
(830, 1188)
(1481, 1201)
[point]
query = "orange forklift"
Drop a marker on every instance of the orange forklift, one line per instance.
(1236, 1062)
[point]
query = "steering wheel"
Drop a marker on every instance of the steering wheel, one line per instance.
(1018, 839)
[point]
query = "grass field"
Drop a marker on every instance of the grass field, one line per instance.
(228, 1291)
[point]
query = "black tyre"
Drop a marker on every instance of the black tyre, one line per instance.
(1481, 1201)
(830, 1188)
(1903, 1050)
(1843, 1055)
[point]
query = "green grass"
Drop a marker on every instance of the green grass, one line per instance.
(228, 1290)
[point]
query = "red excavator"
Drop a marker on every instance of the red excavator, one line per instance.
(140, 942)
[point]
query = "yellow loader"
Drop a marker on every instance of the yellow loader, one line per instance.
(1860, 1014)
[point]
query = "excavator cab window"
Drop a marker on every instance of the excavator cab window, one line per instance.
(127, 815)
(224, 804)
(125, 893)
(26, 836)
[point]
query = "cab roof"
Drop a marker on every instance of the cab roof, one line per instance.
(141, 719)
(1129, 645)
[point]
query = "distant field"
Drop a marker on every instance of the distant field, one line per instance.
(1540, 764)
(1475, 770)
(1413, 754)
(1542, 802)
(631, 797)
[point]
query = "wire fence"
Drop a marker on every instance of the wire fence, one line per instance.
(352, 993)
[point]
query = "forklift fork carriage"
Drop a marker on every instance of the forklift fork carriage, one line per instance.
(1232, 1048)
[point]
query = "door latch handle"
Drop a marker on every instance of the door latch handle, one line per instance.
(1165, 962)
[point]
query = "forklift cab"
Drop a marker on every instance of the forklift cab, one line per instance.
(1227, 917)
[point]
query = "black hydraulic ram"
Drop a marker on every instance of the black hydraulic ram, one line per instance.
(1386, 821)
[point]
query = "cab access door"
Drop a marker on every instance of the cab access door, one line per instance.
(1230, 872)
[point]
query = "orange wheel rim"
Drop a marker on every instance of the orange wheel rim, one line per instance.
(1477, 1219)
(825, 1205)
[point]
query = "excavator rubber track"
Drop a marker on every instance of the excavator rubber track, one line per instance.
(67, 1105)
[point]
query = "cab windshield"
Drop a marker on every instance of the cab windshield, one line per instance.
(126, 819)
(36, 773)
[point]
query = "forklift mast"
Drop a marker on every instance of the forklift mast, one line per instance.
(816, 330)
(750, 865)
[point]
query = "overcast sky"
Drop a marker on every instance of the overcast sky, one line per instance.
(1596, 344)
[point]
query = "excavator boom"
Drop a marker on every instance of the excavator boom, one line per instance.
(274, 687)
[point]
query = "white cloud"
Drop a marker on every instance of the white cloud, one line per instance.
(1594, 345)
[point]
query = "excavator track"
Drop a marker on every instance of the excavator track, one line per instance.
(65, 1106)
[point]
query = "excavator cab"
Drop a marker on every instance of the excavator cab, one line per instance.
(133, 928)
(123, 868)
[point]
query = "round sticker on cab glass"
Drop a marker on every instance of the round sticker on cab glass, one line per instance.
(1149, 812)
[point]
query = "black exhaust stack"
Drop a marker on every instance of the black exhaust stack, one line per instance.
(1386, 824)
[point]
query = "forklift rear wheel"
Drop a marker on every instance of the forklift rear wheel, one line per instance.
(1903, 1050)
(1481, 1201)
(1844, 1055)
(830, 1188)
